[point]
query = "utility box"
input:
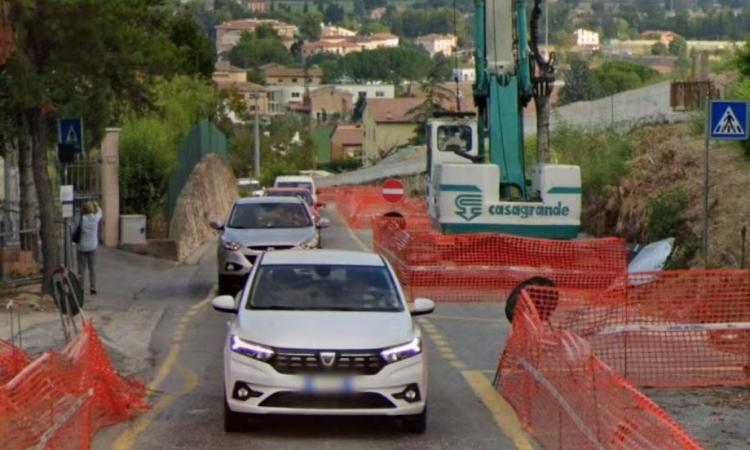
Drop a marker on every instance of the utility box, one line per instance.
(132, 229)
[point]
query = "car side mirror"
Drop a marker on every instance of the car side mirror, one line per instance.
(422, 306)
(324, 223)
(216, 225)
(224, 303)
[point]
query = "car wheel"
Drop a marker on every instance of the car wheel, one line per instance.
(234, 421)
(416, 423)
(512, 301)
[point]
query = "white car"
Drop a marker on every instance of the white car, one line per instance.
(297, 181)
(324, 332)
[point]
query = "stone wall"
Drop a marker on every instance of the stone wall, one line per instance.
(207, 195)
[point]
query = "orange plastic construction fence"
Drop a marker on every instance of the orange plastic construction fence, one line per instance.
(566, 396)
(484, 267)
(61, 398)
(667, 329)
(359, 205)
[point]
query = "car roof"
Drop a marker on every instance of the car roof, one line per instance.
(338, 257)
(288, 189)
(258, 200)
(294, 178)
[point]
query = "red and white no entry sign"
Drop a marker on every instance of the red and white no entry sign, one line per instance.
(393, 190)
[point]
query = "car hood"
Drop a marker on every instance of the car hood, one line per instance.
(335, 330)
(269, 236)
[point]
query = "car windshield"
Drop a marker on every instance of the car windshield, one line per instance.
(269, 215)
(324, 287)
(295, 184)
(302, 195)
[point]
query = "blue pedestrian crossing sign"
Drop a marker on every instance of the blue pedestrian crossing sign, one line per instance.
(729, 120)
(70, 133)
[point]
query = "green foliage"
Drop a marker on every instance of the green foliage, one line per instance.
(580, 83)
(262, 47)
(334, 14)
(743, 93)
(678, 47)
(392, 65)
(619, 76)
(194, 48)
(602, 155)
(346, 165)
(149, 143)
(659, 49)
(310, 26)
(359, 109)
(411, 23)
(667, 219)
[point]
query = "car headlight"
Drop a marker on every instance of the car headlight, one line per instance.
(230, 245)
(255, 351)
(403, 351)
(309, 244)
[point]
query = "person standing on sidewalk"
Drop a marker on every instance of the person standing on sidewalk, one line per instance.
(89, 242)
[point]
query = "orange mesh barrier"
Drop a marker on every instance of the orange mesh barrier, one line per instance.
(484, 267)
(12, 360)
(667, 329)
(358, 206)
(61, 398)
(569, 398)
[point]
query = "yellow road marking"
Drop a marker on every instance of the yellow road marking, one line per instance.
(127, 439)
(354, 236)
(458, 364)
(504, 415)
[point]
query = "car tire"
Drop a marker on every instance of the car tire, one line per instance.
(510, 303)
(416, 423)
(234, 421)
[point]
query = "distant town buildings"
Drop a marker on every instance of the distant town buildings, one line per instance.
(343, 45)
(332, 32)
(465, 75)
(276, 74)
(329, 102)
(228, 77)
(387, 124)
(663, 36)
(346, 142)
(228, 34)
(438, 43)
(586, 38)
(256, 6)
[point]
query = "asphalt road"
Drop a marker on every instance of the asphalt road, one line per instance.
(463, 345)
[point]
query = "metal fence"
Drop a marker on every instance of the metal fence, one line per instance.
(203, 139)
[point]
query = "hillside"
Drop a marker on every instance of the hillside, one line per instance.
(663, 194)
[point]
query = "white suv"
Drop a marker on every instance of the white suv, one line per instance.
(323, 332)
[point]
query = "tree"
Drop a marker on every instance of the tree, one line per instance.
(659, 49)
(253, 51)
(678, 47)
(359, 108)
(359, 8)
(334, 14)
(310, 26)
(619, 76)
(193, 44)
(580, 83)
(79, 57)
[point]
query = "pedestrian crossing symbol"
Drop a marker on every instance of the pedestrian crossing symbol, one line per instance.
(70, 134)
(729, 120)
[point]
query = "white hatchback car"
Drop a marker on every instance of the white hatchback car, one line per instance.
(324, 332)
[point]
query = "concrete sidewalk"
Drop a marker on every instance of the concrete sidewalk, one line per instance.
(135, 295)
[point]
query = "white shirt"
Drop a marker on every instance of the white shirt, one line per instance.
(90, 231)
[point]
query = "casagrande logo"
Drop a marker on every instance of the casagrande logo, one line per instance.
(526, 211)
(469, 206)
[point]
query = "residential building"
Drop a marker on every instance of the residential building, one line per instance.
(225, 73)
(276, 74)
(663, 36)
(438, 43)
(248, 93)
(377, 13)
(280, 97)
(328, 102)
(377, 40)
(334, 32)
(346, 142)
(586, 38)
(387, 124)
(228, 34)
(256, 6)
(368, 90)
(465, 74)
(337, 47)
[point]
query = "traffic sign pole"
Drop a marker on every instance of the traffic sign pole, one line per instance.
(706, 179)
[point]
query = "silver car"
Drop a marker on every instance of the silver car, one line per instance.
(258, 225)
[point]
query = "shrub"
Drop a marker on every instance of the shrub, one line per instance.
(667, 219)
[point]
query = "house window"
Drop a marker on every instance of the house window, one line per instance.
(363, 94)
(379, 94)
(295, 94)
(281, 80)
(294, 80)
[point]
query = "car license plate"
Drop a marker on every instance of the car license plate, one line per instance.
(327, 384)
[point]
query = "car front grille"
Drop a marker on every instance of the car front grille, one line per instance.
(359, 400)
(345, 361)
(266, 248)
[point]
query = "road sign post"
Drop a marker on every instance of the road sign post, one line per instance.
(69, 138)
(726, 120)
(393, 190)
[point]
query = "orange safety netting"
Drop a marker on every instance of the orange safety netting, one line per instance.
(61, 398)
(566, 396)
(667, 329)
(358, 206)
(485, 266)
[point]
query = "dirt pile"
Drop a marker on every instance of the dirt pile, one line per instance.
(667, 166)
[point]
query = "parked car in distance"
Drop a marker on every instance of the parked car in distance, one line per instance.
(257, 225)
(324, 332)
(303, 194)
(248, 186)
(297, 181)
